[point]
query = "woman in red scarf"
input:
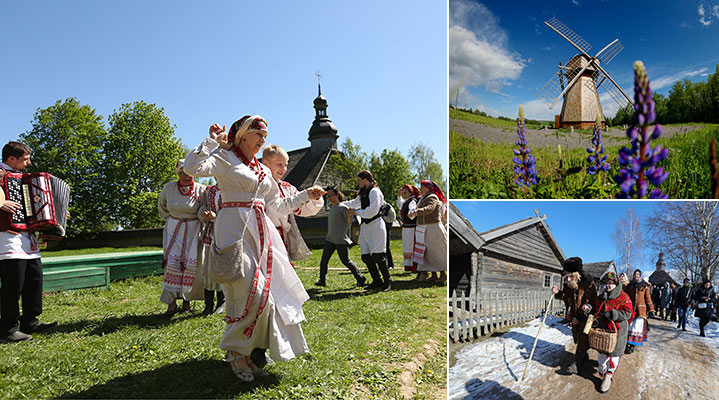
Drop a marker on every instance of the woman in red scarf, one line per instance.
(247, 241)
(430, 243)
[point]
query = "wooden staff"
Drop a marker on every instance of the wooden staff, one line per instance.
(546, 312)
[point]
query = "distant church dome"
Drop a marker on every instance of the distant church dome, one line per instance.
(323, 133)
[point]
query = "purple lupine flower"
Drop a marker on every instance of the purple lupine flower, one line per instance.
(597, 159)
(639, 163)
(525, 163)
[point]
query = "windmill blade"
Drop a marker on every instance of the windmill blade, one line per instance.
(617, 96)
(572, 82)
(607, 54)
(569, 35)
(619, 92)
(552, 88)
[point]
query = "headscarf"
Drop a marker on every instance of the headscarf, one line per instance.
(245, 125)
(610, 276)
(179, 165)
(412, 189)
(434, 188)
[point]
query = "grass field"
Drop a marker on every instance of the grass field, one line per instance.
(485, 170)
(495, 122)
(116, 344)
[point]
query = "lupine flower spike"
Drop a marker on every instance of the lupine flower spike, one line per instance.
(639, 163)
(525, 163)
(597, 159)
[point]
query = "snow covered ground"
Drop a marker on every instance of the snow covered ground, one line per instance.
(672, 364)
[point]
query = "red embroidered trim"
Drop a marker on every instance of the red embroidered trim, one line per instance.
(262, 227)
(183, 261)
(254, 165)
(189, 192)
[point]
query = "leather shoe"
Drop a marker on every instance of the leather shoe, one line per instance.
(39, 328)
(15, 337)
(361, 281)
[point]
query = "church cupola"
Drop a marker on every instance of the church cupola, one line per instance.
(323, 133)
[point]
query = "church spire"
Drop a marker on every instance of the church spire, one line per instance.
(323, 133)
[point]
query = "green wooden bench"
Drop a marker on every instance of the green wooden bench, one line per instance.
(97, 270)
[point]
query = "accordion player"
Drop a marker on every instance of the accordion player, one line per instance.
(44, 201)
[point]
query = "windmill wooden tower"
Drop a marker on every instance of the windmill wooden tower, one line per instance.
(578, 79)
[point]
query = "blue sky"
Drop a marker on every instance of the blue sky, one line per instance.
(582, 228)
(503, 53)
(383, 65)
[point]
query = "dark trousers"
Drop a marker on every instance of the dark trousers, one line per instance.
(343, 252)
(390, 262)
(20, 278)
(376, 265)
(682, 311)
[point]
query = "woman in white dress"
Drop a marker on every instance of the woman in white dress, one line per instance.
(264, 299)
(178, 204)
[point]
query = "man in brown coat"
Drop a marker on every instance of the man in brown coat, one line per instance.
(579, 289)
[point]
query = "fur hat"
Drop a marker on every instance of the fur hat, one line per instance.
(573, 264)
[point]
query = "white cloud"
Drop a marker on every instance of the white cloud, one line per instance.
(539, 110)
(704, 75)
(478, 50)
(576, 3)
(546, 48)
(667, 80)
(707, 12)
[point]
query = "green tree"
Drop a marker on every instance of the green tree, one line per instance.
(347, 165)
(391, 170)
(425, 166)
(140, 155)
(66, 140)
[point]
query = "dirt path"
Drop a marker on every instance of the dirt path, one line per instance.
(551, 137)
(671, 365)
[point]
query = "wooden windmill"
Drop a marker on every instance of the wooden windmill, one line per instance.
(578, 79)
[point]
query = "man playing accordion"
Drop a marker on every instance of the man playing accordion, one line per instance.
(20, 264)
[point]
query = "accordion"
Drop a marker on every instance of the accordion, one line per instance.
(44, 201)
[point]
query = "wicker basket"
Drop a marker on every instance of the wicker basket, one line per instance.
(602, 340)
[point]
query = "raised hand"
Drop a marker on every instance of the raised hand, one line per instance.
(315, 192)
(218, 134)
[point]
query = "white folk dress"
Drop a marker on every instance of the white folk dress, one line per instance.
(407, 234)
(277, 327)
(180, 240)
(213, 201)
(372, 236)
(307, 209)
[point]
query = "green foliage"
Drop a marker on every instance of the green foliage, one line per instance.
(391, 170)
(66, 140)
(484, 170)
(140, 156)
(499, 122)
(117, 344)
(425, 166)
(348, 166)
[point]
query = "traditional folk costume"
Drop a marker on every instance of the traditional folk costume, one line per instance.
(585, 292)
(613, 309)
(181, 240)
(640, 295)
(287, 226)
(373, 235)
(213, 203)
(20, 276)
(264, 302)
(430, 239)
(407, 206)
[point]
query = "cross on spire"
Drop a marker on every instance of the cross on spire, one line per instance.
(319, 89)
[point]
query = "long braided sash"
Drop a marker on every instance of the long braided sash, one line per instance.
(262, 227)
(183, 258)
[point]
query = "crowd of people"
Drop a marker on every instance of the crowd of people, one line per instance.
(232, 244)
(620, 309)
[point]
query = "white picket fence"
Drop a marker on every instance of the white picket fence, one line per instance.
(481, 314)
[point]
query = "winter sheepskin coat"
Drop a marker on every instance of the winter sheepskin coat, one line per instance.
(620, 308)
(641, 297)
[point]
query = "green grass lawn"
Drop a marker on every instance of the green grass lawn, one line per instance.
(115, 344)
(485, 170)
